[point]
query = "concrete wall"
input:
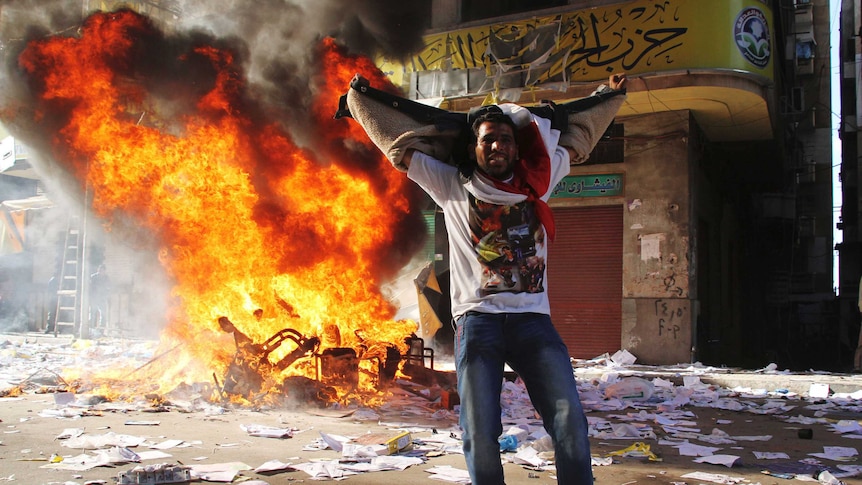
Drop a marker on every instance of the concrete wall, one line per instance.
(656, 296)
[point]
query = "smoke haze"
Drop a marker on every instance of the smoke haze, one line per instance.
(276, 44)
(276, 38)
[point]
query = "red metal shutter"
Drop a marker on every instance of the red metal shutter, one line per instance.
(585, 276)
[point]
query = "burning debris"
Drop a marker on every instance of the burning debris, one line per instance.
(251, 365)
(291, 241)
(252, 373)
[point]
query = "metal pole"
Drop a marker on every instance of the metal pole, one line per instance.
(84, 329)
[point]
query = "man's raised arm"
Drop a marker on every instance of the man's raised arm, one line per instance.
(587, 127)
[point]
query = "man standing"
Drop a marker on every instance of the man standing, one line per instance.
(499, 226)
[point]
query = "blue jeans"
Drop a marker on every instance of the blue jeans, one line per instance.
(530, 344)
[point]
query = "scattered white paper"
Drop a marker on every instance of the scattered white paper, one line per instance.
(770, 455)
(598, 461)
(167, 444)
(713, 478)
(218, 472)
(528, 456)
(63, 398)
(324, 469)
(355, 451)
(273, 466)
(837, 453)
(69, 433)
(691, 449)
(334, 441)
(449, 474)
(153, 455)
(817, 390)
(117, 454)
(752, 438)
(623, 357)
(80, 463)
(95, 442)
(395, 462)
(847, 426)
(267, 431)
(726, 460)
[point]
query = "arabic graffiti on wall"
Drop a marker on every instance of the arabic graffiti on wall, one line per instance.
(603, 185)
(586, 45)
(671, 316)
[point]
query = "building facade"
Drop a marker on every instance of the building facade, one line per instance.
(700, 229)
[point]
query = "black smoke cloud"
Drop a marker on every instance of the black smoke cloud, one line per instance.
(282, 37)
(275, 41)
(277, 38)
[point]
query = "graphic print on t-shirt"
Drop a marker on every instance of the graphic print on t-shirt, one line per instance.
(505, 238)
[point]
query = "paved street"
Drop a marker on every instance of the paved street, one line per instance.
(691, 408)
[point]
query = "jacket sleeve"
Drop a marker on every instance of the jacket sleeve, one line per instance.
(394, 132)
(587, 127)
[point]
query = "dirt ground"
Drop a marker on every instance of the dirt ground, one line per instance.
(211, 435)
(29, 441)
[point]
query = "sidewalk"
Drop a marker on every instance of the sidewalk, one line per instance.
(765, 379)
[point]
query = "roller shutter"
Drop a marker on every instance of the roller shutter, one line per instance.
(585, 279)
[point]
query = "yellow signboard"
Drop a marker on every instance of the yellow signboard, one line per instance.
(586, 45)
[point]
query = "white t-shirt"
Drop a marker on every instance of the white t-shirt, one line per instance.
(498, 249)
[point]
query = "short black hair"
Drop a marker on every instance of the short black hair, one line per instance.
(493, 117)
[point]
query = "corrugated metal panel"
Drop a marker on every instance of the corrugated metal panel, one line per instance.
(585, 279)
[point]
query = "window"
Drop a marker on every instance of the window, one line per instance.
(611, 146)
(805, 49)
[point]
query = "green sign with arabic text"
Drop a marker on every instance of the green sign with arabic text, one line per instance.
(602, 185)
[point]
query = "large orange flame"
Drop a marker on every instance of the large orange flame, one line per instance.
(246, 219)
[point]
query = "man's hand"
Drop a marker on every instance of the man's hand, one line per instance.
(617, 81)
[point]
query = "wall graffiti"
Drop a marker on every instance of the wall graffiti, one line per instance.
(671, 316)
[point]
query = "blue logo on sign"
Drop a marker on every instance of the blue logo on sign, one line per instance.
(751, 32)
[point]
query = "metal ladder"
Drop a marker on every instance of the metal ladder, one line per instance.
(67, 313)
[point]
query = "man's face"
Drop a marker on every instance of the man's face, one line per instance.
(496, 150)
